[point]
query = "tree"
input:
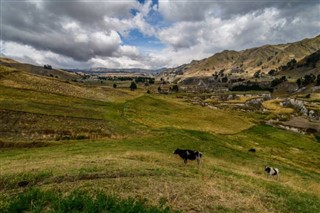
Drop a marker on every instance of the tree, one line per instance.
(151, 81)
(114, 85)
(257, 74)
(224, 79)
(309, 79)
(318, 80)
(272, 72)
(277, 81)
(299, 82)
(47, 66)
(133, 86)
(174, 88)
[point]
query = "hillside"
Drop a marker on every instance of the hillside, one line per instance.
(37, 70)
(37, 107)
(246, 62)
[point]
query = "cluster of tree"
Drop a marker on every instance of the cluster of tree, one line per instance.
(248, 86)
(308, 79)
(47, 66)
(173, 88)
(123, 78)
(312, 60)
(85, 77)
(144, 79)
(257, 74)
(272, 72)
(278, 81)
(290, 65)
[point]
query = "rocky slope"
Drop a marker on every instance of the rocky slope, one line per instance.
(247, 62)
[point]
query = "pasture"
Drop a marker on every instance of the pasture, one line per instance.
(144, 168)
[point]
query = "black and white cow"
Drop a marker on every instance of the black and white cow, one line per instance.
(270, 171)
(187, 154)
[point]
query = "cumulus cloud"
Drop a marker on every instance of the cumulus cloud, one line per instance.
(241, 29)
(73, 29)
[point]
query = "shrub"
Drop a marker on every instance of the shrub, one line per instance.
(278, 81)
(133, 86)
(174, 88)
(47, 66)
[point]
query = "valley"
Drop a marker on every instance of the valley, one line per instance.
(72, 137)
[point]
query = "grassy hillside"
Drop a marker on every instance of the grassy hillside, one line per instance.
(229, 179)
(37, 70)
(65, 146)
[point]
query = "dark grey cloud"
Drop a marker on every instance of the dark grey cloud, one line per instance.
(72, 28)
(90, 13)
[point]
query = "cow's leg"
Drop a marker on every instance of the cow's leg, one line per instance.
(199, 161)
(185, 161)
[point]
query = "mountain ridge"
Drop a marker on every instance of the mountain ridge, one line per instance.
(245, 62)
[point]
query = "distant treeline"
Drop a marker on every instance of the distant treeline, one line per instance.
(258, 86)
(136, 79)
(248, 87)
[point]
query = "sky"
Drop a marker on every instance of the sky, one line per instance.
(147, 33)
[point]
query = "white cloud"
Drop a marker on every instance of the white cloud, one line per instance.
(196, 40)
(129, 51)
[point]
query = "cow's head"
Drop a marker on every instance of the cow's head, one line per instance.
(176, 151)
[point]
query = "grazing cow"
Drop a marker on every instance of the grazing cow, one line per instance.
(270, 171)
(187, 154)
(252, 150)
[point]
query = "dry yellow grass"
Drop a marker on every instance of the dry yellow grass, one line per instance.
(159, 113)
(26, 80)
(274, 107)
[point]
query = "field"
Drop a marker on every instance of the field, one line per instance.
(94, 148)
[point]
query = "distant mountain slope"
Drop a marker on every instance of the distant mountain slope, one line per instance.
(245, 62)
(25, 76)
(38, 70)
(102, 71)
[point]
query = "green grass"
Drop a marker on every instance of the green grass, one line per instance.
(158, 113)
(35, 200)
